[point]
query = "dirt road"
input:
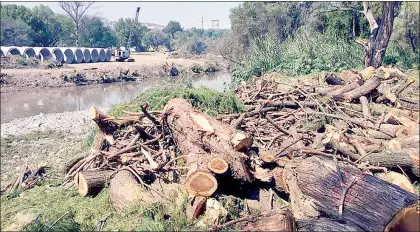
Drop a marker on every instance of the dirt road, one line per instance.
(146, 65)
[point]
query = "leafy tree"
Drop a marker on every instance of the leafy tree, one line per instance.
(76, 11)
(46, 27)
(97, 34)
(172, 28)
(154, 38)
(15, 32)
(252, 20)
(123, 28)
(66, 38)
(16, 12)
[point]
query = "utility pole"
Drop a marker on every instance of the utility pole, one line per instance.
(202, 23)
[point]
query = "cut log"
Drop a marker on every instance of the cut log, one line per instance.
(410, 104)
(106, 127)
(195, 207)
(350, 76)
(241, 142)
(390, 129)
(408, 142)
(217, 165)
(367, 73)
(397, 179)
(334, 80)
(365, 106)
(394, 145)
(367, 203)
(389, 72)
(99, 142)
(405, 131)
(379, 134)
(366, 88)
(275, 220)
(404, 158)
(90, 183)
(408, 219)
(267, 156)
(201, 183)
(394, 118)
(125, 192)
(201, 148)
(344, 89)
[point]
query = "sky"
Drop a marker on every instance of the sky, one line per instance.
(188, 14)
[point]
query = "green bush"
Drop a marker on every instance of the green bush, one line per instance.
(207, 100)
(401, 56)
(300, 55)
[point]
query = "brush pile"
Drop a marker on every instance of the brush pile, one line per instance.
(338, 153)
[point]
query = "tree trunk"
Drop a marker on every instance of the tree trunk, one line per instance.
(360, 202)
(125, 191)
(205, 140)
(380, 35)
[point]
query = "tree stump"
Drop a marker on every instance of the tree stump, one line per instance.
(90, 183)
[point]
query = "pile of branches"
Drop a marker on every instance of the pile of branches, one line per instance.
(333, 154)
(360, 115)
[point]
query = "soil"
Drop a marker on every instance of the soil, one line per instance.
(146, 65)
(49, 139)
(50, 148)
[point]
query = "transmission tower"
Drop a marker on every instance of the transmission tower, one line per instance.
(215, 24)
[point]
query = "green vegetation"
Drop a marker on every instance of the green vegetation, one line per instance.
(299, 38)
(50, 203)
(207, 100)
(301, 54)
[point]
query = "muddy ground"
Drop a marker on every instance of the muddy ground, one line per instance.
(146, 65)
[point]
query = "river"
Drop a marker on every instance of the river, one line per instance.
(23, 104)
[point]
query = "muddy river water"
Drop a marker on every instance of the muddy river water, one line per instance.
(28, 103)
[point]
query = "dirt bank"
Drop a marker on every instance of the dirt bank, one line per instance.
(77, 122)
(146, 65)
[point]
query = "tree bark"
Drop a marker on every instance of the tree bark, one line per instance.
(366, 88)
(125, 191)
(203, 138)
(366, 202)
(380, 35)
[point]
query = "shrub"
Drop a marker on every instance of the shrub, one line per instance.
(299, 55)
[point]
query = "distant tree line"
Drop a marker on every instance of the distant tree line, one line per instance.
(40, 26)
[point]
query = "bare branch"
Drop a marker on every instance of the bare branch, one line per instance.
(76, 11)
(369, 16)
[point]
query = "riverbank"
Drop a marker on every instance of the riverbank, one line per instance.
(147, 65)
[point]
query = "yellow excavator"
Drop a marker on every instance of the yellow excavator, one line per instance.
(124, 55)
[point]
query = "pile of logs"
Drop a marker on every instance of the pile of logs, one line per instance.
(335, 154)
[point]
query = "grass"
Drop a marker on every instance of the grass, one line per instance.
(209, 101)
(301, 54)
(50, 203)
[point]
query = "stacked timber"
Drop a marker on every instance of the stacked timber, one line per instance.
(336, 154)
